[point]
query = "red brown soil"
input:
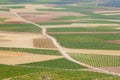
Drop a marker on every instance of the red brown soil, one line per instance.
(106, 9)
(82, 32)
(43, 43)
(112, 69)
(47, 16)
(115, 41)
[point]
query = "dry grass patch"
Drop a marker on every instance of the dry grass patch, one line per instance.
(16, 39)
(12, 58)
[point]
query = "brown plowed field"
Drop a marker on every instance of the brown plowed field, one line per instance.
(115, 41)
(43, 43)
(47, 16)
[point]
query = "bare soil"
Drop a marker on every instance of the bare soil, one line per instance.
(47, 16)
(112, 69)
(7, 15)
(12, 58)
(14, 21)
(115, 41)
(16, 39)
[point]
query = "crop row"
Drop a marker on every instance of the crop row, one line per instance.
(97, 60)
(8, 71)
(80, 29)
(34, 51)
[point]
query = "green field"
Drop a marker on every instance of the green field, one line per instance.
(13, 71)
(38, 73)
(88, 41)
(97, 60)
(81, 29)
(55, 23)
(65, 75)
(57, 63)
(33, 51)
(19, 28)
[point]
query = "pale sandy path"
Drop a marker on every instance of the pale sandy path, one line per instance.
(79, 25)
(62, 51)
(99, 52)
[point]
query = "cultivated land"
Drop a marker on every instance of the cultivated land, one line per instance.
(59, 40)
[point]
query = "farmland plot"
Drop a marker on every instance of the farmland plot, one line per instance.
(88, 41)
(43, 43)
(13, 58)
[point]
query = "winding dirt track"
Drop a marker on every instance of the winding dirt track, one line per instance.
(61, 49)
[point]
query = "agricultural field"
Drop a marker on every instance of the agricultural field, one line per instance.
(39, 73)
(57, 63)
(89, 41)
(59, 40)
(87, 29)
(19, 28)
(43, 43)
(97, 60)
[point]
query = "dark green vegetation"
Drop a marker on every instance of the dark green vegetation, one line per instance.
(20, 28)
(34, 51)
(57, 63)
(97, 60)
(54, 74)
(81, 29)
(88, 41)
(55, 23)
